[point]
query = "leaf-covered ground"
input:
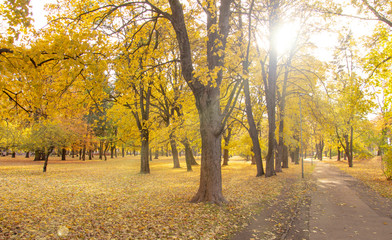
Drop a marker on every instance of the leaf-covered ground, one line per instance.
(370, 172)
(111, 200)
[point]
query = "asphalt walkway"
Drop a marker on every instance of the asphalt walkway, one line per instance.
(339, 211)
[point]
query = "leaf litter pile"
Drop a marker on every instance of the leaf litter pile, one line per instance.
(111, 200)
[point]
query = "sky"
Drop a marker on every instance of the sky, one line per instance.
(39, 13)
(325, 41)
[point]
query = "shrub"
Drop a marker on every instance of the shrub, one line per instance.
(387, 164)
(363, 155)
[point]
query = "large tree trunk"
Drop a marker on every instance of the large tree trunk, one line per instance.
(27, 154)
(144, 156)
(319, 150)
(173, 145)
(278, 162)
(112, 148)
(207, 96)
(338, 154)
(63, 153)
(270, 88)
(210, 188)
(188, 154)
(296, 156)
(39, 155)
(285, 157)
(253, 131)
(292, 153)
(225, 156)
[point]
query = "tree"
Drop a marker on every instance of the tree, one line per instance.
(204, 83)
(46, 137)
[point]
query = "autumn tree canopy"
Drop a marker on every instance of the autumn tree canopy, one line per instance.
(207, 76)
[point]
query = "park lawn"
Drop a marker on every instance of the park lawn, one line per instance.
(370, 172)
(111, 200)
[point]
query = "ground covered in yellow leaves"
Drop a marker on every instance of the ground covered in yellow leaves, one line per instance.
(111, 200)
(369, 171)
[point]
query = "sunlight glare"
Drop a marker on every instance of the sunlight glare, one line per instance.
(286, 37)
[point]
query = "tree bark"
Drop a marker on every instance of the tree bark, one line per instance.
(285, 162)
(39, 155)
(46, 158)
(350, 147)
(319, 150)
(105, 150)
(63, 153)
(253, 133)
(188, 154)
(173, 145)
(226, 138)
(270, 88)
(207, 96)
(112, 148)
(292, 156)
(282, 147)
(144, 153)
(27, 154)
(296, 156)
(338, 154)
(210, 188)
(100, 149)
(83, 153)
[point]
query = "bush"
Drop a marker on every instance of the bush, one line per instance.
(363, 155)
(387, 164)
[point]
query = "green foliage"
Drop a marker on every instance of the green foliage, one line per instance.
(48, 135)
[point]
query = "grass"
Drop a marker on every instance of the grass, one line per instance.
(111, 200)
(368, 171)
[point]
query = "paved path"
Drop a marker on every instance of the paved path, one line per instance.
(338, 211)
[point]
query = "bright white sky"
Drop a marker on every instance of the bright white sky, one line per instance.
(325, 41)
(39, 14)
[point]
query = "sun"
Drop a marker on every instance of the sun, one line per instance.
(286, 37)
